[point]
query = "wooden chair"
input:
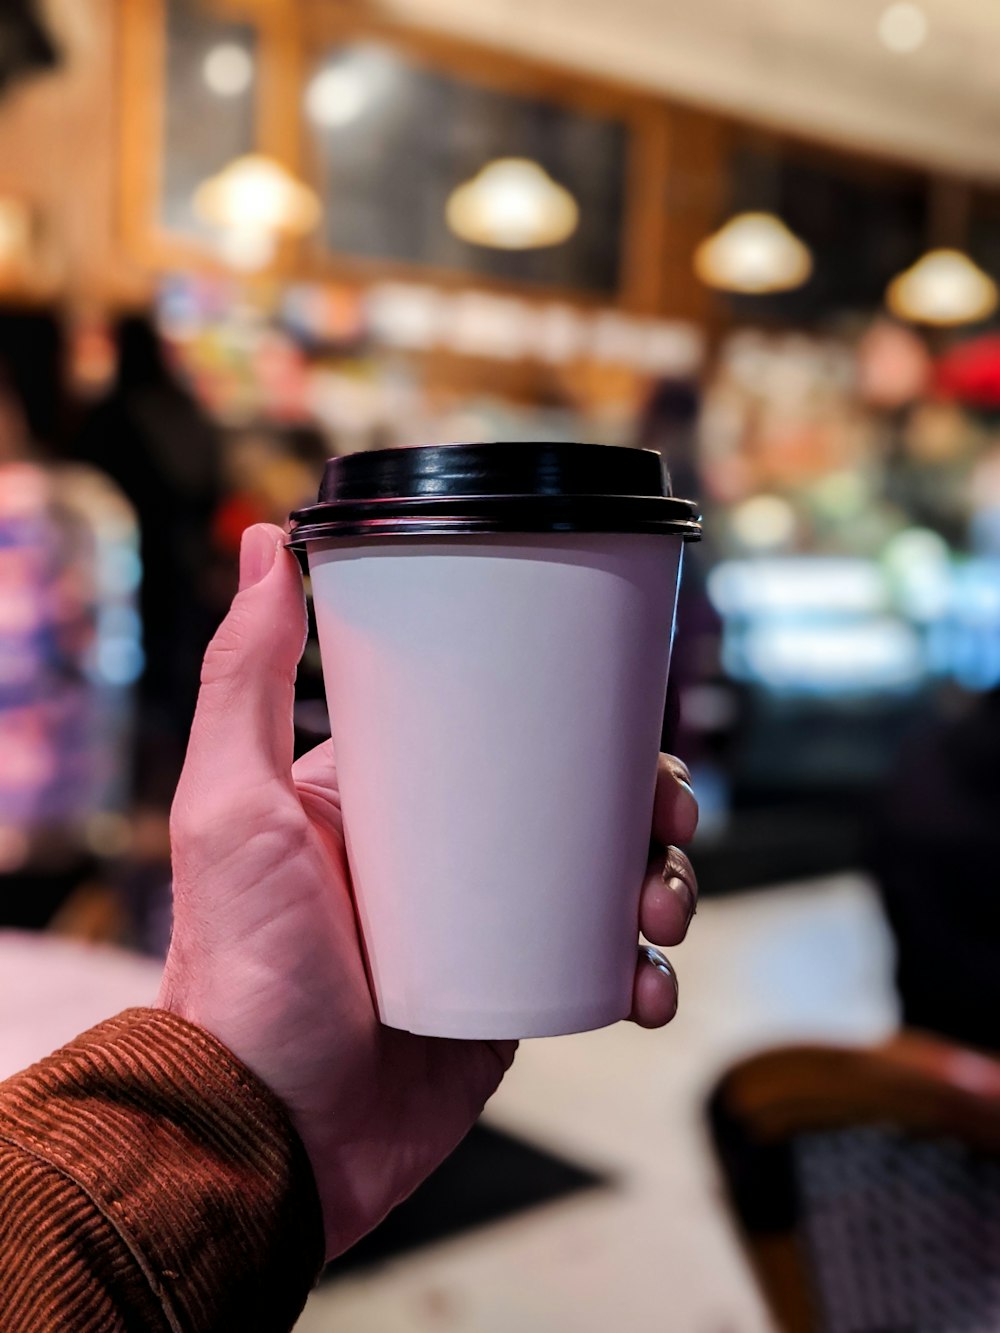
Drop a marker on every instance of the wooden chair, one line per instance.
(866, 1184)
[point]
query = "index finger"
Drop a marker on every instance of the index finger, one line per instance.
(675, 807)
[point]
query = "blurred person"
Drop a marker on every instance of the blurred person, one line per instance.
(191, 1165)
(151, 436)
(934, 851)
(62, 716)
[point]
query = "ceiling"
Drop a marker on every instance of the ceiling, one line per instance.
(815, 65)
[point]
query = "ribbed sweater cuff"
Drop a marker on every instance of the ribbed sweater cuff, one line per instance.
(190, 1158)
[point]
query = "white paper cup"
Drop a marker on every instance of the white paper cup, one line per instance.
(496, 702)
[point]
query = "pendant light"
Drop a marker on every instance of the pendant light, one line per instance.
(512, 204)
(252, 203)
(944, 287)
(753, 253)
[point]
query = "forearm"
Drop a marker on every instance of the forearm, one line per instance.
(150, 1182)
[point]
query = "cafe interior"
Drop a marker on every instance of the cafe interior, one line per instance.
(761, 237)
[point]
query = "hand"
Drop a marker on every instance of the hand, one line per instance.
(265, 952)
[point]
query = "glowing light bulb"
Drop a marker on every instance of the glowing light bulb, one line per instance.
(902, 27)
(247, 249)
(256, 193)
(228, 69)
(336, 96)
(943, 287)
(512, 204)
(753, 253)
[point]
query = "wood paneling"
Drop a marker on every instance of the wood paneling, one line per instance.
(141, 78)
(57, 150)
(81, 145)
(694, 204)
(326, 24)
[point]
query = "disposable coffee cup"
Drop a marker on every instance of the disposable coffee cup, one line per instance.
(495, 625)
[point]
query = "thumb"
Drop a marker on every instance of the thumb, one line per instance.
(243, 732)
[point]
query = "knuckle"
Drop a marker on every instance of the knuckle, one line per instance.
(229, 646)
(258, 820)
(679, 863)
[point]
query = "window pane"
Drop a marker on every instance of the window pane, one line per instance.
(393, 139)
(210, 106)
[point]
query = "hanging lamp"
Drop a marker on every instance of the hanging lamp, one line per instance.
(753, 253)
(512, 203)
(945, 287)
(253, 202)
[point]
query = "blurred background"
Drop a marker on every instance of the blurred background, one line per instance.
(238, 237)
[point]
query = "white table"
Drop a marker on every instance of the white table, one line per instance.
(51, 989)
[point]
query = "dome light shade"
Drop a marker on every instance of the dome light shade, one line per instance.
(753, 253)
(247, 250)
(512, 204)
(944, 287)
(257, 194)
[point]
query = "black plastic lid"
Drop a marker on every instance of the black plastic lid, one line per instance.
(449, 489)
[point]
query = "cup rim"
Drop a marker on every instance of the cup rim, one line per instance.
(471, 515)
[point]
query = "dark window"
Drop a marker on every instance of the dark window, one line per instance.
(403, 137)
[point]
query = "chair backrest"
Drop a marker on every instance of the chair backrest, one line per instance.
(867, 1184)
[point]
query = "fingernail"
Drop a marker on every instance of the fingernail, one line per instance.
(257, 553)
(659, 961)
(681, 770)
(684, 891)
(691, 811)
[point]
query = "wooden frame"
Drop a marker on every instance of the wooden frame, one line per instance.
(669, 144)
(917, 1082)
(141, 42)
(647, 118)
(292, 33)
(141, 80)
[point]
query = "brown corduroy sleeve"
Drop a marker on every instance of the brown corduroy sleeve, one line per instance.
(149, 1182)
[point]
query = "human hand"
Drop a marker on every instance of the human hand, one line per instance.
(265, 952)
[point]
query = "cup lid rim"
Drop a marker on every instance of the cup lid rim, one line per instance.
(522, 486)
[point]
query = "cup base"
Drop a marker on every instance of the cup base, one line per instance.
(509, 1025)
